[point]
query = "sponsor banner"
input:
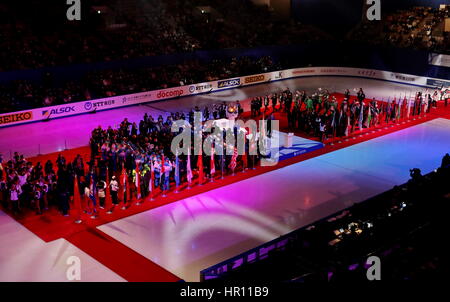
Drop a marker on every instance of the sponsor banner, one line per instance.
(229, 83)
(201, 88)
(48, 112)
(16, 117)
(101, 104)
(254, 79)
(136, 98)
(170, 93)
(303, 71)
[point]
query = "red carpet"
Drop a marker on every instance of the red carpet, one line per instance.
(127, 263)
(131, 265)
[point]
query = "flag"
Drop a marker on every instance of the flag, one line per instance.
(177, 171)
(162, 171)
(213, 166)
(232, 165)
(369, 117)
(200, 168)
(137, 183)
(77, 200)
(108, 202)
(92, 190)
(333, 121)
(244, 161)
(123, 183)
(404, 109)
(262, 137)
(152, 176)
(222, 162)
(408, 108)
(188, 168)
(361, 115)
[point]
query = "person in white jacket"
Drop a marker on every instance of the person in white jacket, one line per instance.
(114, 185)
(14, 194)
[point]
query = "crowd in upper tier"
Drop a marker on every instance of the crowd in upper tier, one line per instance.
(152, 28)
(417, 27)
(20, 95)
(166, 27)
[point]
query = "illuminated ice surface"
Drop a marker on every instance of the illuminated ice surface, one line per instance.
(25, 257)
(187, 236)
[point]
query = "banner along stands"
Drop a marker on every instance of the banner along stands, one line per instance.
(16, 117)
(46, 113)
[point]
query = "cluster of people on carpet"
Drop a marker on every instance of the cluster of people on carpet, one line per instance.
(131, 162)
(24, 185)
(322, 115)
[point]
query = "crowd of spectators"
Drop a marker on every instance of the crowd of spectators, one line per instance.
(27, 47)
(20, 95)
(154, 28)
(417, 27)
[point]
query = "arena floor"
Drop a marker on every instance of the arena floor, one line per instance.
(187, 236)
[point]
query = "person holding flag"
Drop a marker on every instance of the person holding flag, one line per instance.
(145, 180)
(162, 175)
(369, 116)
(89, 193)
(114, 188)
(157, 172)
(361, 115)
(101, 192)
(77, 200)
(167, 169)
(177, 173)
(137, 184)
(398, 112)
(445, 95)
(151, 187)
(124, 184)
(189, 170)
(200, 169)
